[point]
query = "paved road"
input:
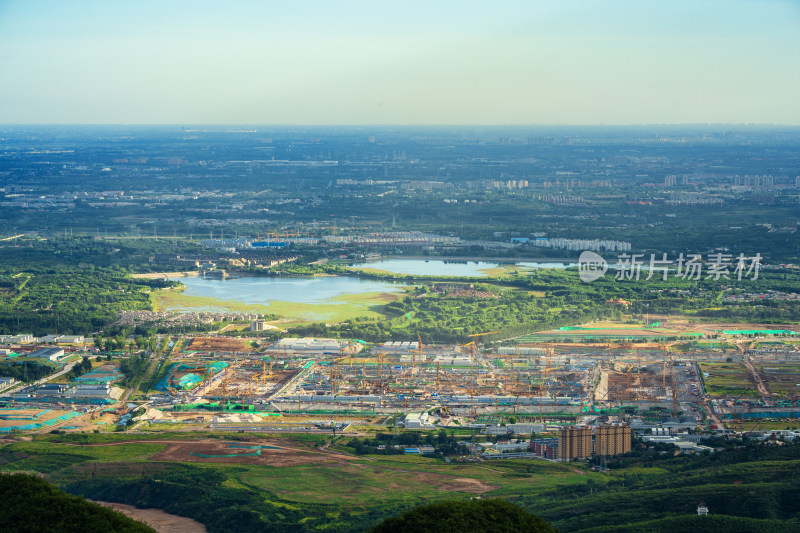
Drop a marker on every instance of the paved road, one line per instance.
(43, 380)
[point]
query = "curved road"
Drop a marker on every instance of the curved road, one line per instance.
(66, 369)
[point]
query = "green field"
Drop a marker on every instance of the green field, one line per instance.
(394, 479)
(352, 493)
(782, 380)
(728, 380)
(48, 457)
(754, 484)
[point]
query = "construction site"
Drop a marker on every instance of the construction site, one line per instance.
(611, 370)
(314, 376)
(309, 384)
(647, 381)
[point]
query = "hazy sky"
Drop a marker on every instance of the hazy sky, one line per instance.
(401, 62)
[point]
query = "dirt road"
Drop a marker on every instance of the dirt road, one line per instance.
(158, 519)
(760, 385)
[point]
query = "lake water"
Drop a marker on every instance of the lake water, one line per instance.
(439, 267)
(262, 290)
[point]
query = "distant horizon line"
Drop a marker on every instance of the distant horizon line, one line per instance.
(420, 125)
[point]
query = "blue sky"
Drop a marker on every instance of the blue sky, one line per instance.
(410, 62)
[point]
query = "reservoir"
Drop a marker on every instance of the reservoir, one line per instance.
(439, 267)
(257, 290)
(328, 298)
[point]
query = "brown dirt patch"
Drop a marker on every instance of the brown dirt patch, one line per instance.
(216, 344)
(465, 484)
(158, 519)
(447, 483)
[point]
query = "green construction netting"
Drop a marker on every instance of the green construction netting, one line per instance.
(189, 381)
(39, 425)
(216, 366)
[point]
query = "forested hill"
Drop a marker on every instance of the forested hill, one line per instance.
(747, 486)
(31, 504)
(73, 286)
(474, 516)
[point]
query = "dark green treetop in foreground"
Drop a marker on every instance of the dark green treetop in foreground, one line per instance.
(31, 504)
(478, 516)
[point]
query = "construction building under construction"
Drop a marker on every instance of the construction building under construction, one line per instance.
(628, 382)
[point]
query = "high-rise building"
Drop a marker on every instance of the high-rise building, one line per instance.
(612, 440)
(575, 443)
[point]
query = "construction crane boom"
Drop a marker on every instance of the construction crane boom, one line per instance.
(482, 334)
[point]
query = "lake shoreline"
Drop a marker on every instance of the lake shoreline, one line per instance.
(471, 259)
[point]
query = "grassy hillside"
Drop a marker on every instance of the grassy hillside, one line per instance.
(753, 481)
(307, 489)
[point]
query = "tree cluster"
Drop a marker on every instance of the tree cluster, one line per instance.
(31, 504)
